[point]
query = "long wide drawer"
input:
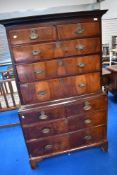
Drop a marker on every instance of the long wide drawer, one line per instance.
(60, 49)
(60, 88)
(58, 68)
(67, 141)
(64, 125)
(79, 106)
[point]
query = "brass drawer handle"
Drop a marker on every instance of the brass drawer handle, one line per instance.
(48, 147)
(87, 121)
(81, 64)
(45, 130)
(42, 92)
(79, 29)
(80, 47)
(88, 137)
(43, 116)
(82, 85)
(33, 35)
(87, 106)
(36, 52)
(39, 71)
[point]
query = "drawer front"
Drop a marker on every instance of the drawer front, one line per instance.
(68, 141)
(45, 129)
(32, 53)
(29, 35)
(58, 68)
(43, 115)
(77, 30)
(87, 136)
(81, 121)
(48, 145)
(84, 83)
(86, 105)
(60, 88)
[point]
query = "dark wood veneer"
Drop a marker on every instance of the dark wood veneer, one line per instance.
(57, 68)
(57, 63)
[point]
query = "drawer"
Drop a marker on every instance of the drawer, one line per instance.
(53, 127)
(58, 68)
(81, 121)
(86, 105)
(36, 52)
(48, 145)
(42, 115)
(32, 34)
(84, 83)
(60, 88)
(68, 141)
(79, 29)
(87, 136)
(45, 129)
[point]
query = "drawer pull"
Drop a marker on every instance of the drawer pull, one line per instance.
(87, 106)
(42, 92)
(80, 47)
(79, 29)
(48, 147)
(81, 64)
(34, 35)
(82, 85)
(88, 137)
(45, 130)
(39, 71)
(60, 62)
(43, 116)
(87, 121)
(36, 52)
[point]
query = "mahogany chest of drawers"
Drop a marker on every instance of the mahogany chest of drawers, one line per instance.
(57, 63)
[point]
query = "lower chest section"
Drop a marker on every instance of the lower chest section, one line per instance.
(65, 126)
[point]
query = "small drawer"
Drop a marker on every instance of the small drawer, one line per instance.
(32, 34)
(44, 129)
(86, 120)
(84, 83)
(35, 92)
(87, 105)
(78, 30)
(48, 145)
(60, 88)
(87, 136)
(58, 68)
(39, 52)
(41, 115)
